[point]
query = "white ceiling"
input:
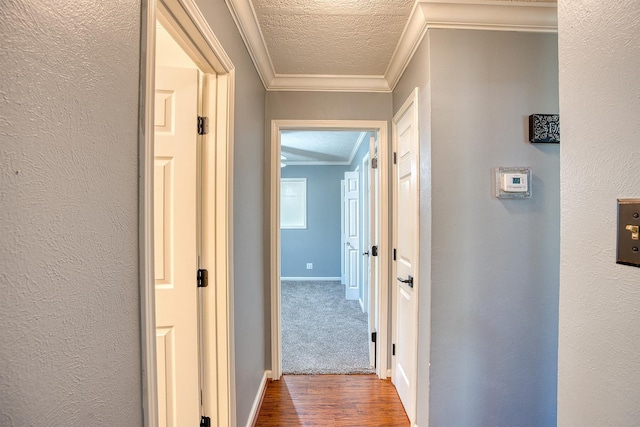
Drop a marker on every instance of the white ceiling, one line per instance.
(331, 37)
(327, 147)
(363, 45)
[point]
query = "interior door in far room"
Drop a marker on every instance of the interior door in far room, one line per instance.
(175, 246)
(406, 229)
(365, 236)
(352, 235)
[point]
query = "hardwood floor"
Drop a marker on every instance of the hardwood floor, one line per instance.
(331, 400)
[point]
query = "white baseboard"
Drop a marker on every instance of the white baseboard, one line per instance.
(388, 373)
(315, 279)
(257, 403)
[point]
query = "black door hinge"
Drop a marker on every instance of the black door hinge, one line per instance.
(394, 254)
(205, 422)
(393, 350)
(374, 163)
(374, 339)
(203, 125)
(395, 158)
(374, 251)
(203, 278)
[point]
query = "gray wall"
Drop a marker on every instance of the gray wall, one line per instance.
(599, 345)
(69, 126)
(250, 307)
(319, 243)
(70, 353)
(494, 263)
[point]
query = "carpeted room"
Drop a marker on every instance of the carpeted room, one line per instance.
(323, 332)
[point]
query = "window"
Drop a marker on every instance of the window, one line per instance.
(293, 203)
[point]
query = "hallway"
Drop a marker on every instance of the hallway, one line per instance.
(331, 400)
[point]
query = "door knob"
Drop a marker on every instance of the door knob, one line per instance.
(408, 281)
(365, 253)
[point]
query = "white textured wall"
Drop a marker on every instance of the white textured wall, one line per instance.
(599, 338)
(68, 213)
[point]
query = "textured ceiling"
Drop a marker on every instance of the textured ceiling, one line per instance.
(364, 45)
(319, 147)
(332, 37)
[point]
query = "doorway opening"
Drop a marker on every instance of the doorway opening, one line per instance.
(187, 76)
(306, 260)
(325, 328)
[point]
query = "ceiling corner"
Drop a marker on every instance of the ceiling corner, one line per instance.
(410, 39)
(245, 18)
(468, 14)
(524, 16)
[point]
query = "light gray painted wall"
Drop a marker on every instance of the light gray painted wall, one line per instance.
(250, 279)
(494, 264)
(328, 106)
(68, 214)
(599, 345)
(314, 106)
(319, 243)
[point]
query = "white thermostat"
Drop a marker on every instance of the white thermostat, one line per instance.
(513, 182)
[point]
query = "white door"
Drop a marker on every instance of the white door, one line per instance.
(405, 287)
(366, 237)
(372, 207)
(175, 246)
(352, 235)
(343, 268)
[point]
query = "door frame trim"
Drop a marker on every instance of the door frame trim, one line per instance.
(412, 99)
(380, 126)
(184, 21)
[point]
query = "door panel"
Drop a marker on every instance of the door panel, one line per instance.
(175, 246)
(372, 294)
(352, 235)
(406, 227)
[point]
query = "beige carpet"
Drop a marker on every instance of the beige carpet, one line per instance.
(322, 333)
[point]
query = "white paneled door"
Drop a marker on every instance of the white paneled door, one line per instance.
(374, 238)
(352, 235)
(175, 246)
(406, 228)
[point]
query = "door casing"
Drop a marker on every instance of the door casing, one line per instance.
(274, 233)
(185, 23)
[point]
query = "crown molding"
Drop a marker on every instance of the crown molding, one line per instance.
(468, 15)
(328, 83)
(426, 14)
(410, 39)
(495, 15)
(246, 20)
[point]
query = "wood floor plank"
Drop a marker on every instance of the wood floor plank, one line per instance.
(331, 401)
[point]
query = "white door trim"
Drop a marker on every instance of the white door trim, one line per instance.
(185, 22)
(412, 100)
(274, 220)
